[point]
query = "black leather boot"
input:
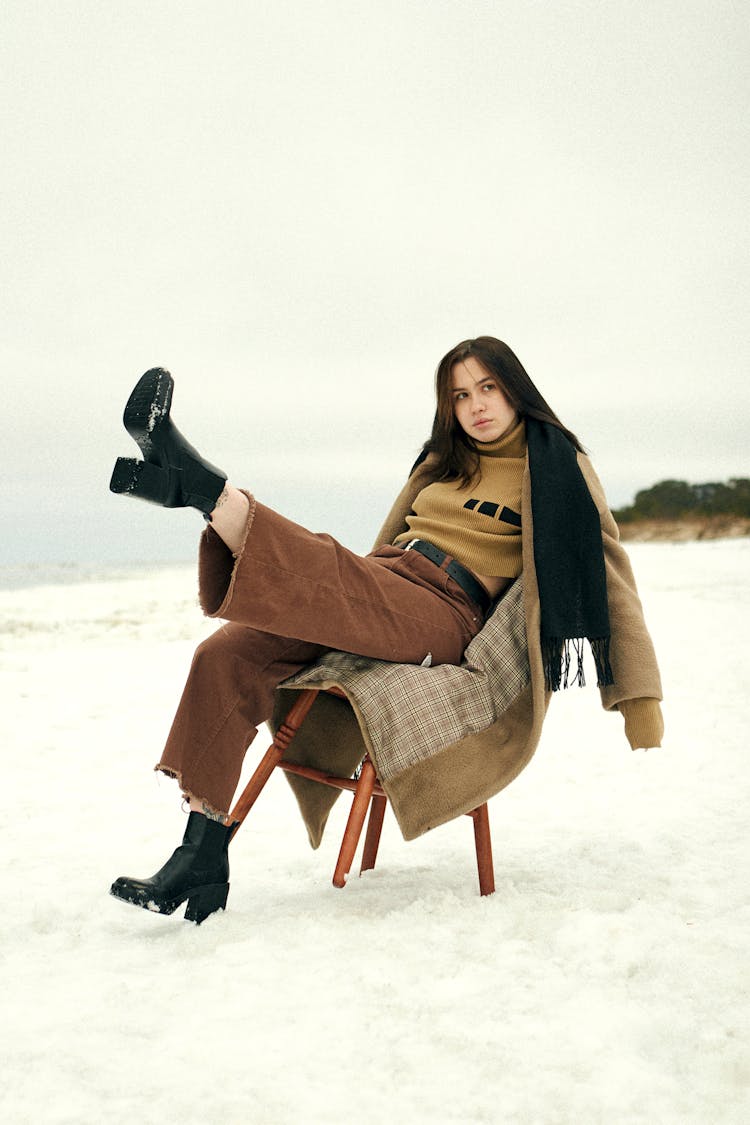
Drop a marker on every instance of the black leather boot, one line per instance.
(197, 871)
(172, 473)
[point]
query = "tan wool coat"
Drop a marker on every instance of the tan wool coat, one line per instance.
(463, 734)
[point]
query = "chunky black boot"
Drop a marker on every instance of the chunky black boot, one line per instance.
(172, 473)
(197, 871)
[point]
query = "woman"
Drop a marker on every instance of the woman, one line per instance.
(500, 488)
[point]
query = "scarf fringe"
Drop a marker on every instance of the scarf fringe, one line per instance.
(600, 650)
(562, 658)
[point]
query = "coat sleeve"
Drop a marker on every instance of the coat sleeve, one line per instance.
(636, 672)
(395, 522)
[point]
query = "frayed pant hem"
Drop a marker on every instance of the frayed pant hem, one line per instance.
(207, 808)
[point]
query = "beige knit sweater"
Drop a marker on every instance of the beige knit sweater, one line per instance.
(479, 524)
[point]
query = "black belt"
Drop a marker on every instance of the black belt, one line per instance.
(466, 580)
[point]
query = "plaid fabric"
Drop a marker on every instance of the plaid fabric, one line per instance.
(409, 713)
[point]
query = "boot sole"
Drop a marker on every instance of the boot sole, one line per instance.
(201, 901)
(148, 407)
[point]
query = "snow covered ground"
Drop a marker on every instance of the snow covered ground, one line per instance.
(605, 982)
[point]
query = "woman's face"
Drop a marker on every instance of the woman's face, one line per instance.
(481, 408)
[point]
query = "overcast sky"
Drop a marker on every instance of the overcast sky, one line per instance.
(299, 207)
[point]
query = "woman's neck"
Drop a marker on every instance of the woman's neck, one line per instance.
(510, 444)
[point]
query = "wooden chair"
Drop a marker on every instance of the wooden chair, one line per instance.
(368, 794)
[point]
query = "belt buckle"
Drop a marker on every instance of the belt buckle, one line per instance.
(410, 544)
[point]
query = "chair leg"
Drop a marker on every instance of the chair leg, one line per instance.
(284, 735)
(372, 836)
(483, 844)
(354, 824)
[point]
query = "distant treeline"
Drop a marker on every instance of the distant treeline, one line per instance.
(672, 499)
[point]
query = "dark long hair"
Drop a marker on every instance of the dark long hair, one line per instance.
(456, 452)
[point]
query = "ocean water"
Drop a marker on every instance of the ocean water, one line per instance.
(22, 576)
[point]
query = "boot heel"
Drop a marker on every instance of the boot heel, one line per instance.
(141, 479)
(206, 901)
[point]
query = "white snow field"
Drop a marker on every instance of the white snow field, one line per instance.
(606, 981)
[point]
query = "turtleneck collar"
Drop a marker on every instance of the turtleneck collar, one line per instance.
(511, 444)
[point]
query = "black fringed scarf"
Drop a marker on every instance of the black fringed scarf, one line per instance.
(568, 558)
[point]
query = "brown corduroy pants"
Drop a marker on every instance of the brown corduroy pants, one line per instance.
(289, 596)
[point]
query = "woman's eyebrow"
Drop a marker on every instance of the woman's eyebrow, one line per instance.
(475, 382)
